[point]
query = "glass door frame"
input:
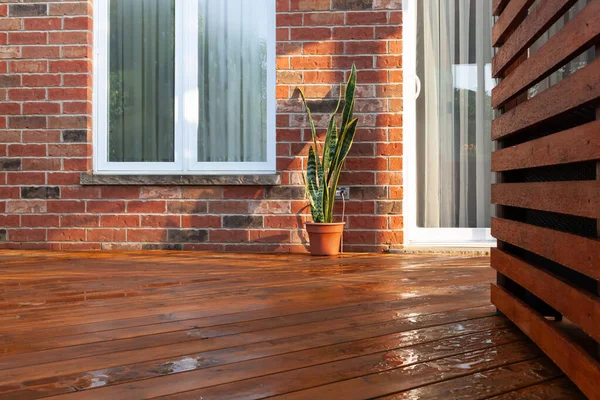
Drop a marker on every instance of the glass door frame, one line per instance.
(413, 234)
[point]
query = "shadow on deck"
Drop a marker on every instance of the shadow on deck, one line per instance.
(184, 325)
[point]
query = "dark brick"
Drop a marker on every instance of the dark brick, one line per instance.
(389, 207)
(342, 5)
(10, 80)
(242, 221)
(368, 192)
(74, 136)
(285, 193)
(162, 246)
(10, 164)
(28, 10)
(40, 192)
(3, 235)
(187, 235)
(324, 106)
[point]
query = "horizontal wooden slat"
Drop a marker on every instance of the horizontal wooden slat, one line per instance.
(576, 36)
(581, 143)
(574, 91)
(498, 6)
(580, 198)
(514, 11)
(546, 13)
(577, 364)
(580, 307)
(576, 252)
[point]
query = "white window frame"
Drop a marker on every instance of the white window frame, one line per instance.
(413, 234)
(186, 92)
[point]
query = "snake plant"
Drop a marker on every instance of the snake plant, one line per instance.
(323, 172)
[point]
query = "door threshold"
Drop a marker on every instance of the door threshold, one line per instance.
(467, 249)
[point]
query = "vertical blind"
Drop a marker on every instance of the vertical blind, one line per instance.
(232, 58)
(142, 81)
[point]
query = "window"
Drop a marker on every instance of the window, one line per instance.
(184, 87)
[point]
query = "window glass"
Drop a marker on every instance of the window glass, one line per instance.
(232, 65)
(141, 81)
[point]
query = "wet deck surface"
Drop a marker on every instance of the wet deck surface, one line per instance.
(229, 326)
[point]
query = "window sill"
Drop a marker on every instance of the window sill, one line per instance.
(88, 179)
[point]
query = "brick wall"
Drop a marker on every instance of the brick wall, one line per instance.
(45, 138)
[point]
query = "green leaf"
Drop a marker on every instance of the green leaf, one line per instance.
(311, 122)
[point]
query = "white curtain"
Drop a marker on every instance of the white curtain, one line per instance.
(454, 113)
(571, 67)
(232, 80)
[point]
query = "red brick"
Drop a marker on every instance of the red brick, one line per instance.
(366, 18)
(80, 192)
(64, 178)
(324, 19)
(70, 37)
(10, 108)
(27, 38)
(69, 9)
(311, 62)
(26, 206)
(200, 221)
(65, 206)
(8, 221)
(26, 94)
(69, 150)
(353, 33)
(69, 94)
(106, 235)
(41, 108)
(186, 207)
(120, 221)
(106, 206)
(71, 66)
(26, 178)
(121, 192)
(146, 235)
(83, 220)
(149, 206)
(40, 164)
(76, 51)
(10, 24)
(310, 33)
(43, 220)
(40, 51)
(161, 221)
(42, 24)
(77, 107)
(78, 23)
(27, 235)
(27, 122)
(41, 80)
(66, 235)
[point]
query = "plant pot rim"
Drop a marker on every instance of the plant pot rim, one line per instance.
(325, 223)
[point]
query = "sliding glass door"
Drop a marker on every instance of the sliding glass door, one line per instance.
(448, 121)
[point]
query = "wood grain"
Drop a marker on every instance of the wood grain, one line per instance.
(581, 198)
(576, 90)
(578, 365)
(581, 143)
(118, 326)
(580, 307)
(577, 35)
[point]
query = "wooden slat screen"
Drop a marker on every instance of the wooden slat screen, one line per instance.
(547, 162)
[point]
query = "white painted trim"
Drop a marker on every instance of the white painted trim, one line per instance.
(186, 101)
(414, 235)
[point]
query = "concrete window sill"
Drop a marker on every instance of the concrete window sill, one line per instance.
(88, 179)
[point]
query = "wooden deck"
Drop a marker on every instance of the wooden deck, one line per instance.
(231, 326)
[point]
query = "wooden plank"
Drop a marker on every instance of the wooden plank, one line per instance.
(574, 91)
(578, 306)
(498, 6)
(511, 16)
(581, 198)
(303, 351)
(546, 13)
(581, 143)
(577, 35)
(555, 389)
(475, 386)
(576, 252)
(577, 364)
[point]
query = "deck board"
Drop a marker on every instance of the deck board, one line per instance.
(183, 325)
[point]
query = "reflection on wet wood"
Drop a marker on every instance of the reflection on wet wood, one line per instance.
(202, 325)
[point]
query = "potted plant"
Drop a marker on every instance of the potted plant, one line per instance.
(323, 172)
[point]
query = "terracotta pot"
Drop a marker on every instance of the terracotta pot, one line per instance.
(325, 239)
